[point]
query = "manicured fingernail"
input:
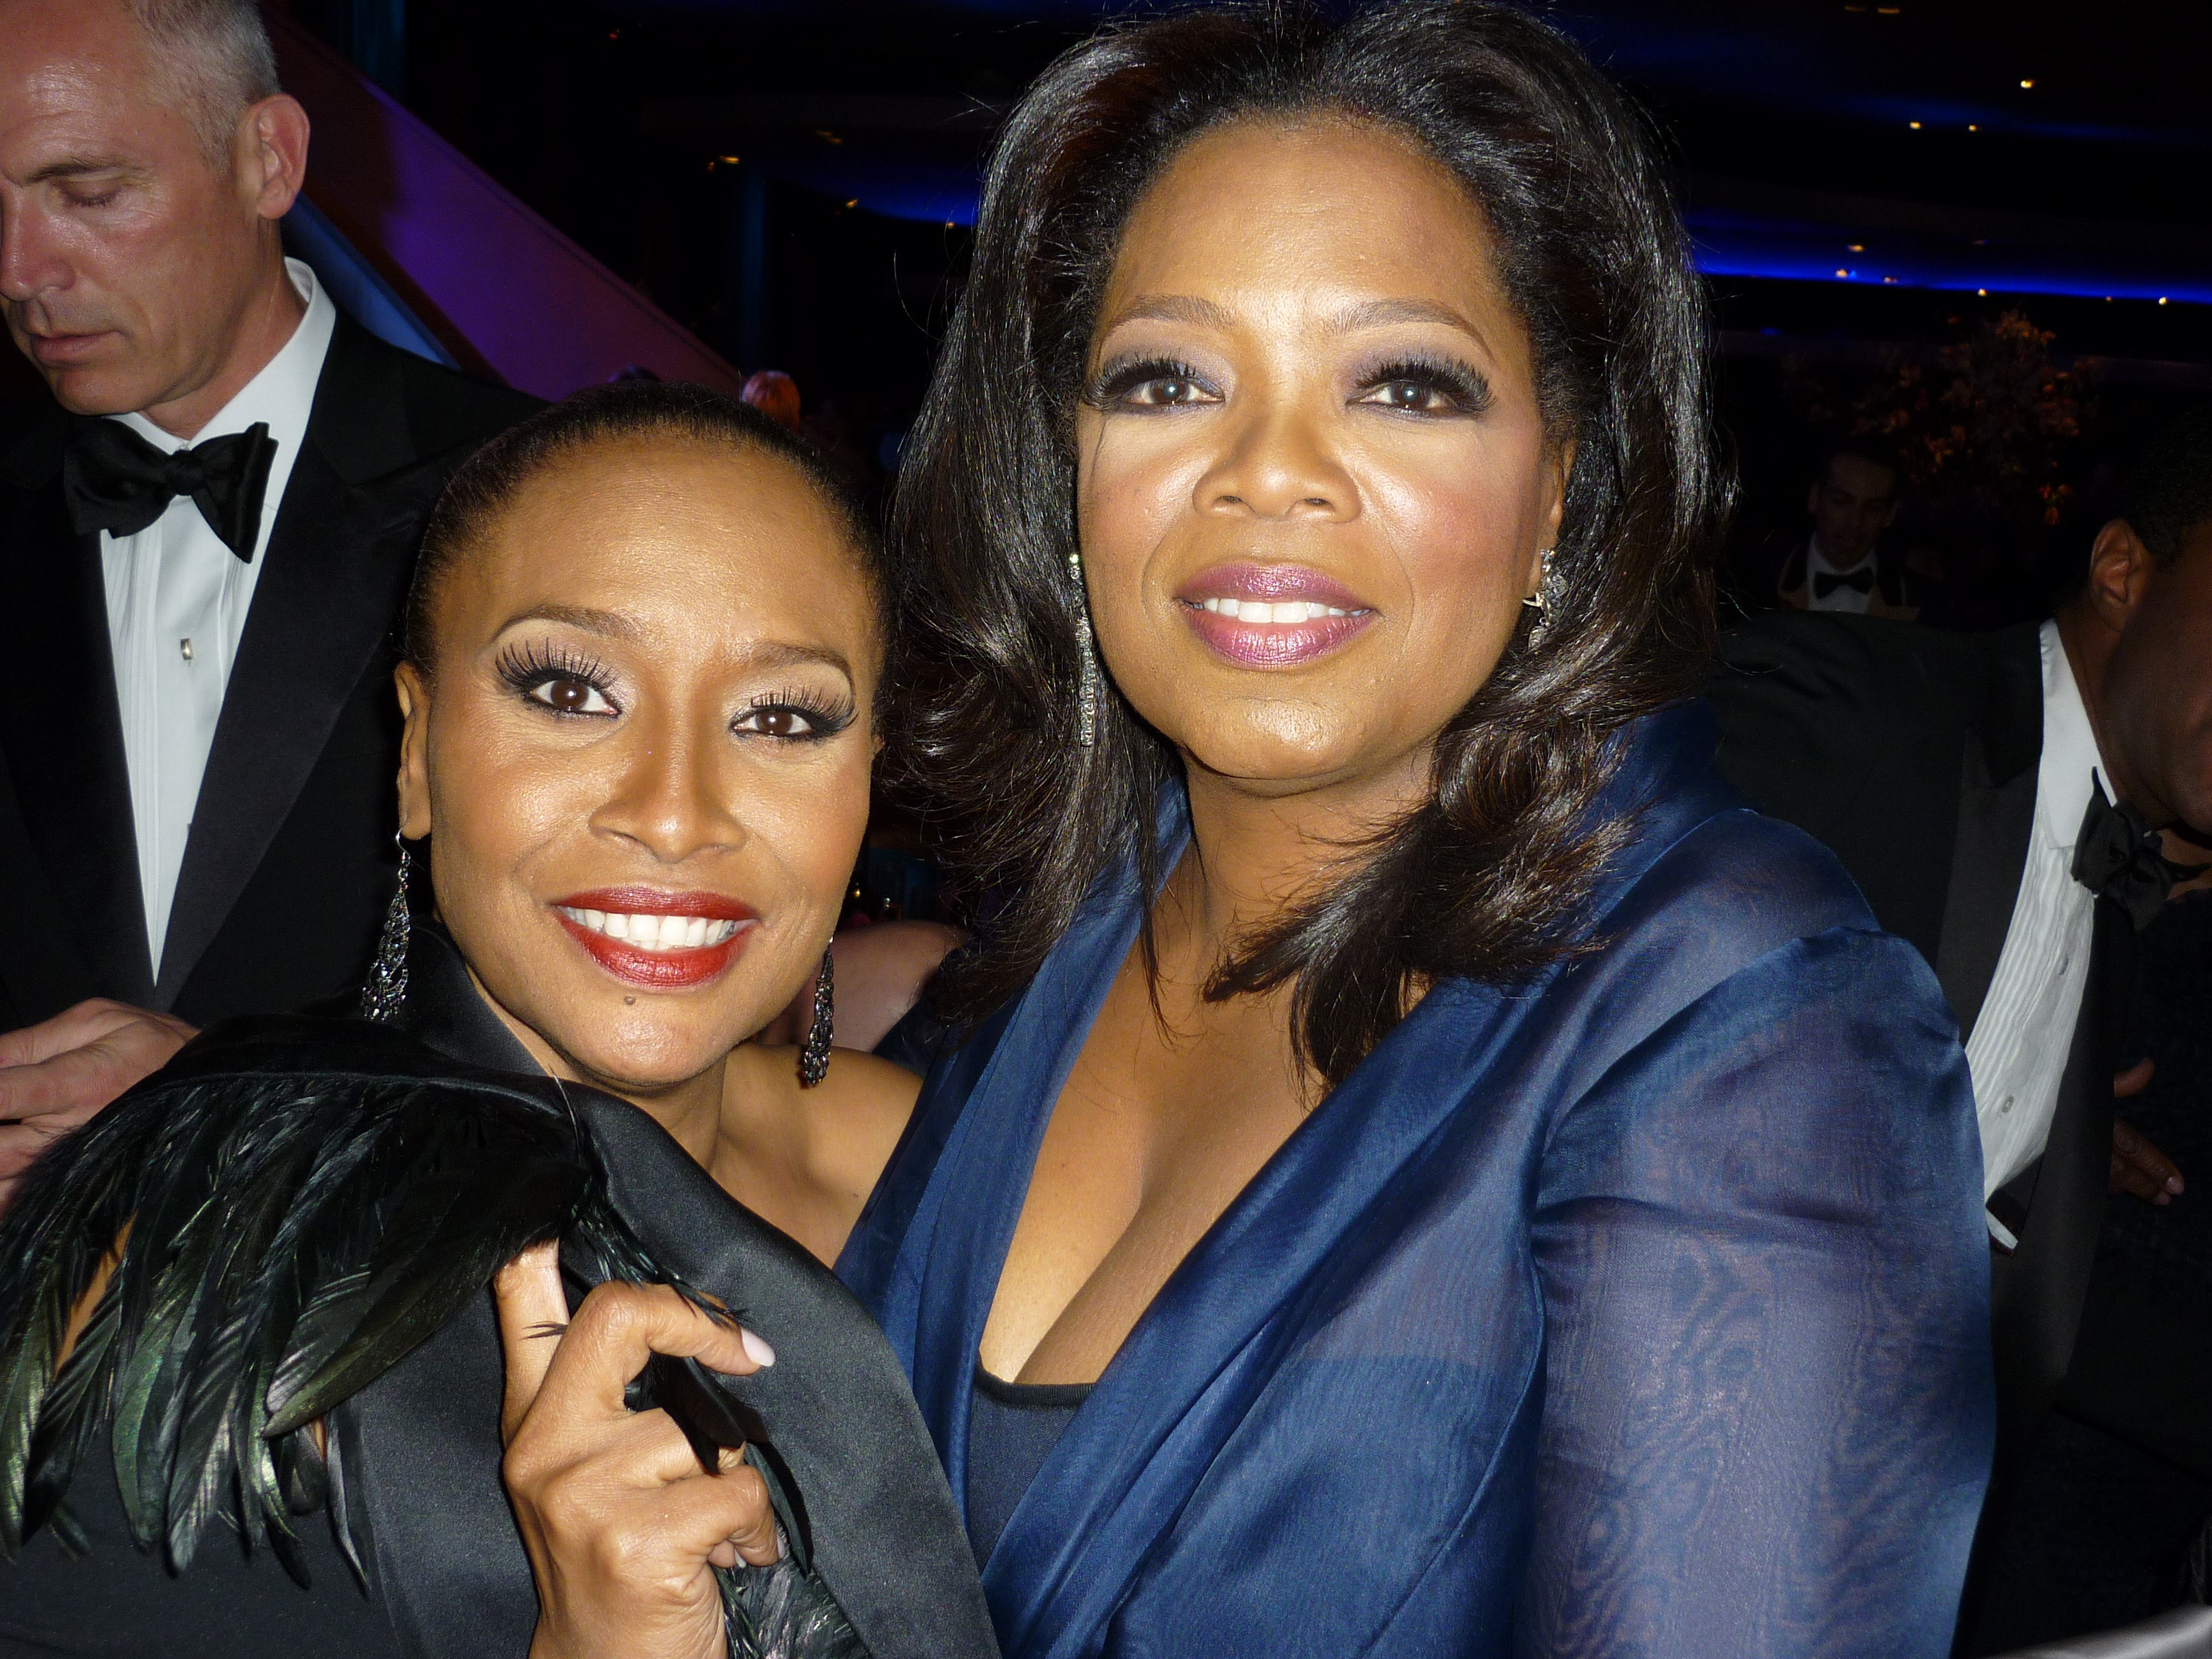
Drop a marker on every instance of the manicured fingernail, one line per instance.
(756, 1347)
(2173, 1183)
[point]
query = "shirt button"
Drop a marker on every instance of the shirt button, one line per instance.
(2004, 1105)
(185, 649)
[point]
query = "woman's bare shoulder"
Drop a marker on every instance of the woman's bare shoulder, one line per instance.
(808, 1159)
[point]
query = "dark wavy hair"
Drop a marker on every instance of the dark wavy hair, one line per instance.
(1488, 879)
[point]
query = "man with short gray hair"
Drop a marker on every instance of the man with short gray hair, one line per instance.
(204, 537)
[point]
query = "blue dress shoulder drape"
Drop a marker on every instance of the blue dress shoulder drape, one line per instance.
(1640, 1311)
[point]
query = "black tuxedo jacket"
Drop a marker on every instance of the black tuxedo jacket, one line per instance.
(1913, 754)
(290, 861)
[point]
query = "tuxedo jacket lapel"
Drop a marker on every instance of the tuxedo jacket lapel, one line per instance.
(339, 558)
(62, 737)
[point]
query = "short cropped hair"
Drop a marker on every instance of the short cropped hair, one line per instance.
(214, 59)
(2168, 494)
(489, 481)
(1860, 449)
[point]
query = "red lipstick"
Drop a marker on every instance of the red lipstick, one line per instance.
(1238, 612)
(655, 939)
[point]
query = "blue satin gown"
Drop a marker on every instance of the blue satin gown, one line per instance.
(1642, 1311)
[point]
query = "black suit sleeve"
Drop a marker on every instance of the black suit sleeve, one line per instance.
(1853, 729)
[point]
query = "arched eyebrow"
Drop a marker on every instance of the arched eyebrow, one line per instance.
(1171, 308)
(781, 653)
(1381, 313)
(612, 624)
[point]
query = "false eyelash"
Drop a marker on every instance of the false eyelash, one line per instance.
(526, 667)
(1117, 381)
(827, 715)
(1463, 385)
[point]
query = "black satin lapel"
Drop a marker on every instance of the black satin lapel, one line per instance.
(446, 1561)
(339, 559)
(444, 1010)
(1989, 854)
(888, 1539)
(62, 732)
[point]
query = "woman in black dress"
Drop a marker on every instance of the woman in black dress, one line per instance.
(246, 1315)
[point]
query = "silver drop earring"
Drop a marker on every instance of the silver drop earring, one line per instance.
(1086, 689)
(1542, 600)
(814, 1053)
(386, 987)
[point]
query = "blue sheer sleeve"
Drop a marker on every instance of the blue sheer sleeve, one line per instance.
(1765, 1292)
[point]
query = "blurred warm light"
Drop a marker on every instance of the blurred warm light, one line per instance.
(1842, 273)
(1984, 292)
(2161, 299)
(729, 161)
(1855, 247)
(1915, 125)
(2025, 85)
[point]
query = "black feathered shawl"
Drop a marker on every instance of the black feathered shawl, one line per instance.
(312, 1209)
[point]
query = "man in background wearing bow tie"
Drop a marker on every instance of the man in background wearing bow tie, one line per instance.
(1840, 566)
(1997, 798)
(205, 538)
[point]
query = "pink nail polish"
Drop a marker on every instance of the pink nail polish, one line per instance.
(756, 1347)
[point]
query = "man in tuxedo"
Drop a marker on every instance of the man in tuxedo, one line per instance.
(1841, 566)
(1998, 798)
(205, 535)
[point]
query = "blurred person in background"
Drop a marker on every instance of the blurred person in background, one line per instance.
(1841, 565)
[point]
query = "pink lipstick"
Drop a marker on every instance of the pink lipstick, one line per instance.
(1270, 615)
(661, 941)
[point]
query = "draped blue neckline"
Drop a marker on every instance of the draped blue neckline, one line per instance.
(1200, 1354)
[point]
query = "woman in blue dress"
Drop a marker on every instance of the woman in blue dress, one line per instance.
(1424, 1170)
(1428, 1171)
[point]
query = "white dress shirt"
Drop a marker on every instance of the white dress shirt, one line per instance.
(1842, 597)
(177, 599)
(2021, 1040)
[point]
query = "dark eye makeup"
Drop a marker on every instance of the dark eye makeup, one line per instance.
(1148, 383)
(558, 677)
(569, 683)
(1414, 385)
(796, 715)
(1426, 385)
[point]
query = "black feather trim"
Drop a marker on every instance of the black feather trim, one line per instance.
(301, 1202)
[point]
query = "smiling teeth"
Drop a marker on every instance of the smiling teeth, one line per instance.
(651, 932)
(1282, 610)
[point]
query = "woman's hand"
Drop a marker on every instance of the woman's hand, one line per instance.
(621, 1523)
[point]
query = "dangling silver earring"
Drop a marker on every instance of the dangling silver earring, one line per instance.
(386, 985)
(1542, 600)
(814, 1053)
(1086, 689)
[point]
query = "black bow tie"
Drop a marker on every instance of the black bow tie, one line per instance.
(1826, 582)
(115, 480)
(2117, 857)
